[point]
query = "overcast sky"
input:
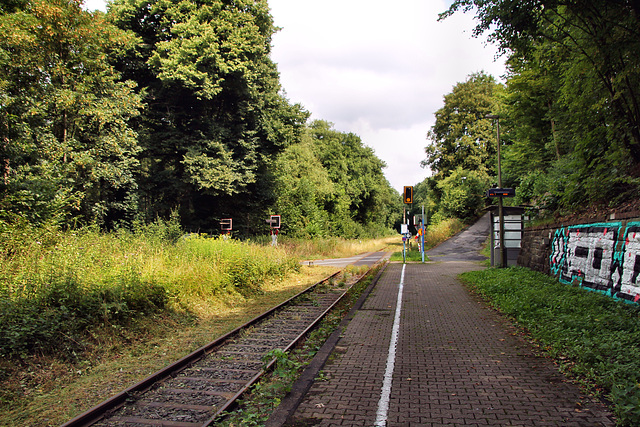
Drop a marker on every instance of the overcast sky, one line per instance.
(376, 68)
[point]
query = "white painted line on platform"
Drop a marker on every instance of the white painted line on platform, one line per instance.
(383, 403)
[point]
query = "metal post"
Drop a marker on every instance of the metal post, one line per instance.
(404, 245)
(503, 249)
(424, 230)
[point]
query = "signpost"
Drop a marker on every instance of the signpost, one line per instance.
(274, 225)
(226, 226)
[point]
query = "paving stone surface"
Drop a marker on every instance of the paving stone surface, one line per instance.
(457, 363)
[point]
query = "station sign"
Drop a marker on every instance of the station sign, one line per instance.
(501, 192)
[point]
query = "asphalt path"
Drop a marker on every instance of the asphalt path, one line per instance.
(464, 246)
(368, 258)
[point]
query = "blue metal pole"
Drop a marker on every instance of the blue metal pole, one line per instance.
(424, 230)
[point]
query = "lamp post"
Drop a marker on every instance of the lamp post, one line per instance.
(503, 249)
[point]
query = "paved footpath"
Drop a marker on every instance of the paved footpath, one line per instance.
(455, 362)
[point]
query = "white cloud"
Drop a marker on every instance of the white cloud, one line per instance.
(377, 69)
(95, 5)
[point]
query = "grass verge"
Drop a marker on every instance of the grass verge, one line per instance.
(410, 256)
(595, 339)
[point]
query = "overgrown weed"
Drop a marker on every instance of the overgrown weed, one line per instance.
(332, 247)
(55, 291)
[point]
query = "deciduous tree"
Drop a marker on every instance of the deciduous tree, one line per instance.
(461, 136)
(592, 52)
(215, 116)
(68, 150)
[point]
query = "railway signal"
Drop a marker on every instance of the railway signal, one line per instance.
(274, 221)
(408, 195)
(226, 224)
(274, 224)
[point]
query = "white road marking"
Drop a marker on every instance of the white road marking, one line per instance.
(383, 403)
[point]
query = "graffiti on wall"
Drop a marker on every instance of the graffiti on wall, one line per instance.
(603, 257)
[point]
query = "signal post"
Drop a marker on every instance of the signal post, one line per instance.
(407, 199)
(274, 225)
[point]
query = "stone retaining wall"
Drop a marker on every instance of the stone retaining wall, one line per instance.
(600, 254)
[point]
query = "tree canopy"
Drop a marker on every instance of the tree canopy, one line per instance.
(570, 113)
(462, 136)
(159, 108)
(215, 116)
(331, 184)
(67, 145)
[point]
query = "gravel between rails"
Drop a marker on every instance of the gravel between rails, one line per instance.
(196, 394)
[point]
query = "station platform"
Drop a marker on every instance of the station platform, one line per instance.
(422, 351)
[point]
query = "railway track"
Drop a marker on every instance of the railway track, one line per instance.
(197, 389)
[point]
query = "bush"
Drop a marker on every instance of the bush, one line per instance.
(55, 291)
(56, 319)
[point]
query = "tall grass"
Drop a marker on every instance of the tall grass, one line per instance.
(56, 286)
(441, 231)
(331, 247)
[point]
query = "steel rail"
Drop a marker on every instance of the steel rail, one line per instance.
(98, 412)
(232, 402)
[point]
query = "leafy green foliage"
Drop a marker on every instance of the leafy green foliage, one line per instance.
(304, 189)
(68, 148)
(463, 194)
(163, 108)
(57, 287)
(462, 152)
(331, 184)
(572, 96)
(215, 118)
(55, 320)
(596, 337)
(461, 136)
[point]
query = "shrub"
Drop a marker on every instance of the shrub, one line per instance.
(53, 294)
